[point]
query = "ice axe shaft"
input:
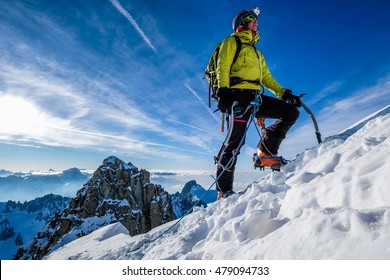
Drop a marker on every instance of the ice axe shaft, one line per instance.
(317, 130)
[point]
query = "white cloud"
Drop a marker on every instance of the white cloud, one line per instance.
(361, 103)
(70, 109)
(335, 118)
(25, 123)
(332, 88)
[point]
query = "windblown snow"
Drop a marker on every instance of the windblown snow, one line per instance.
(331, 202)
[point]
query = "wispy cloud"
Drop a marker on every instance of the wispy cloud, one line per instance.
(127, 15)
(338, 116)
(29, 125)
(362, 101)
(61, 110)
(332, 88)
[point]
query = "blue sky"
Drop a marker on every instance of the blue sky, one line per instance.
(82, 80)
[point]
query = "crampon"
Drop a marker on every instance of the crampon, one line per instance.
(274, 163)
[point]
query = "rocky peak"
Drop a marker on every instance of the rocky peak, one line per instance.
(117, 191)
(190, 194)
(6, 230)
(72, 174)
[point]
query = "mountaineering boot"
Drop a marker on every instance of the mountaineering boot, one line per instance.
(265, 160)
(223, 195)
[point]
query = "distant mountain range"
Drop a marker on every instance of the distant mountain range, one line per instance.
(4, 173)
(20, 186)
(117, 192)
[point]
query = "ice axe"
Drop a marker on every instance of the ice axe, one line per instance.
(317, 130)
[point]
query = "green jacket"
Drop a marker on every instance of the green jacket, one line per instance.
(249, 66)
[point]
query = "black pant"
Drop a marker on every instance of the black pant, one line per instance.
(285, 115)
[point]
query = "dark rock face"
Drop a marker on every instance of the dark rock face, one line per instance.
(117, 192)
(6, 230)
(191, 194)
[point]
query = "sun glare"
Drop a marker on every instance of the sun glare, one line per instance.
(17, 115)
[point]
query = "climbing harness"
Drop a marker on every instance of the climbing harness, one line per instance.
(254, 105)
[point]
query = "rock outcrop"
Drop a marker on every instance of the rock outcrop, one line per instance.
(191, 194)
(117, 192)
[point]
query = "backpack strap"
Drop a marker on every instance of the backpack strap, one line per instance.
(236, 80)
(238, 49)
(212, 64)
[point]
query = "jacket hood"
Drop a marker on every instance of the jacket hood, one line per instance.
(247, 37)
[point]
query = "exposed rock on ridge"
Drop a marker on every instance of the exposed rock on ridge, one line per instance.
(117, 192)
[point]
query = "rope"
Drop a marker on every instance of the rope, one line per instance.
(255, 104)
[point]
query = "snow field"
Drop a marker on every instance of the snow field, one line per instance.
(331, 202)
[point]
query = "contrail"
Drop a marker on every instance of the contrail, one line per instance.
(192, 126)
(201, 101)
(122, 10)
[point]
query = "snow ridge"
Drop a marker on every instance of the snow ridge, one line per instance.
(331, 202)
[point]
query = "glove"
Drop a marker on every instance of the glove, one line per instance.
(225, 99)
(223, 91)
(291, 98)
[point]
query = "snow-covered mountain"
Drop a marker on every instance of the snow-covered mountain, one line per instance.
(117, 192)
(27, 186)
(20, 222)
(191, 193)
(331, 202)
(5, 173)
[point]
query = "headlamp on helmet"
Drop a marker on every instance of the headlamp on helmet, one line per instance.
(244, 17)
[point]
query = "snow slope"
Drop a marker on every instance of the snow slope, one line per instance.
(331, 202)
(26, 220)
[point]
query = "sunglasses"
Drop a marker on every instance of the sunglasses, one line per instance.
(249, 18)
